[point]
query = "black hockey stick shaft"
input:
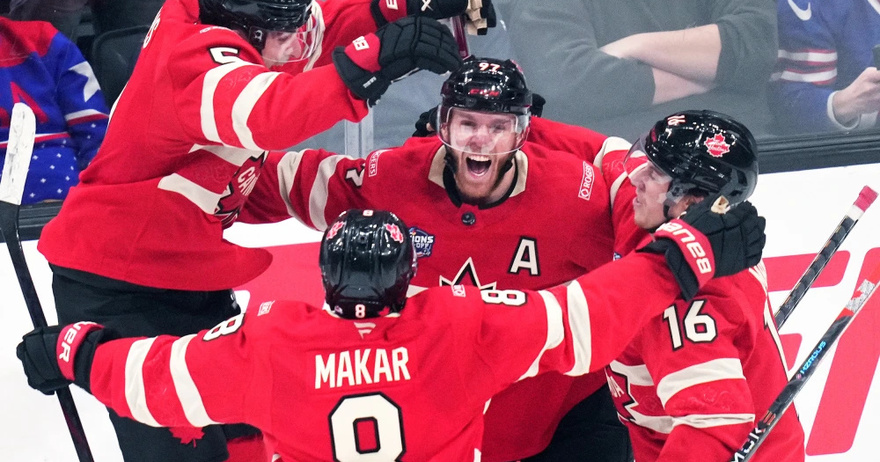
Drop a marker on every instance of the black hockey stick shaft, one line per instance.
(9, 226)
(18, 155)
(759, 433)
(865, 199)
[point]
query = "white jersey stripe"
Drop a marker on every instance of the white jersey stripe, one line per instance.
(658, 423)
(233, 155)
(209, 87)
(809, 56)
(555, 331)
(81, 114)
(635, 375)
(709, 371)
(244, 104)
(579, 320)
(187, 392)
(135, 394)
(713, 420)
(205, 200)
(288, 166)
(319, 193)
(808, 77)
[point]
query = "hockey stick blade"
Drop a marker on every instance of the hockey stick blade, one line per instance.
(782, 402)
(22, 132)
(855, 212)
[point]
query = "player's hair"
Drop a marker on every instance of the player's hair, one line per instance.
(256, 17)
(367, 261)
(704, 152)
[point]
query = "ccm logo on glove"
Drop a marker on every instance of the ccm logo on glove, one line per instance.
(69, 340)
(674, 230)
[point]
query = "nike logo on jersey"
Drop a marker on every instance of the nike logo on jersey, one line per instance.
(803, 14)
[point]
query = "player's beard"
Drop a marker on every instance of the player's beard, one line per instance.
(481, 179)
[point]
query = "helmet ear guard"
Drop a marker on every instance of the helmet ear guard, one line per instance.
(367, 261)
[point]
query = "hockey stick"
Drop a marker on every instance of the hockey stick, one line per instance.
(860, 297)
(18, 157)
(456, 24)
(865, 199)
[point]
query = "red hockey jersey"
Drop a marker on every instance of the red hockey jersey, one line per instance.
(693, 381)
(185, 145)
(407, 387)
(554, 227)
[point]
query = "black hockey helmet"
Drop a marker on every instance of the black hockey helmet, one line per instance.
(367, 260)
(487, 85)
(256, 18)
(704, 152)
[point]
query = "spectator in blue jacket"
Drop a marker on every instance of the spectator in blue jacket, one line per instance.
(40, 67)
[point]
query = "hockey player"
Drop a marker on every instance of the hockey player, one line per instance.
(483, 204)
(365, 379)
(694, 379)
(133, 243)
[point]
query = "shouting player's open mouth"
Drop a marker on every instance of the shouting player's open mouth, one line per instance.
(478, 165)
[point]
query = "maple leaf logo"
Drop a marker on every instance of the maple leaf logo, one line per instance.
(716, 145)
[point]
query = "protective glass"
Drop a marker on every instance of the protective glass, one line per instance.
(282, 47)
(482, 133)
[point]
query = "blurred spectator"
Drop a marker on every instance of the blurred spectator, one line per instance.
(42, 68)
(405, 100)
(617, 67)
(826, 78)
(65, 15)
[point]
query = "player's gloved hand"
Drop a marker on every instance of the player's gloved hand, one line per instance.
(425, 124)
(385, 11)
(703, 244)
(480, 17)
(54, 357)
(371, 62)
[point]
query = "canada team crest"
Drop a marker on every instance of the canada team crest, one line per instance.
(717, 146)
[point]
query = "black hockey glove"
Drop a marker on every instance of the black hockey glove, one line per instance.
(538, 103)
(703, 244)
(425, 124)
(370, 63)
(385, 11)
(54, 357)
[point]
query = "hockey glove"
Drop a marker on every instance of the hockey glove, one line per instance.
(371, 62)
(480, 17)
(54, 357)
(425, 124)
(385, 11)
(703, 244)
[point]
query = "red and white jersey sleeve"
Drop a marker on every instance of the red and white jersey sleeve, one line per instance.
(411, 385)
(607, 153)
(692, 383)
(185, 147)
